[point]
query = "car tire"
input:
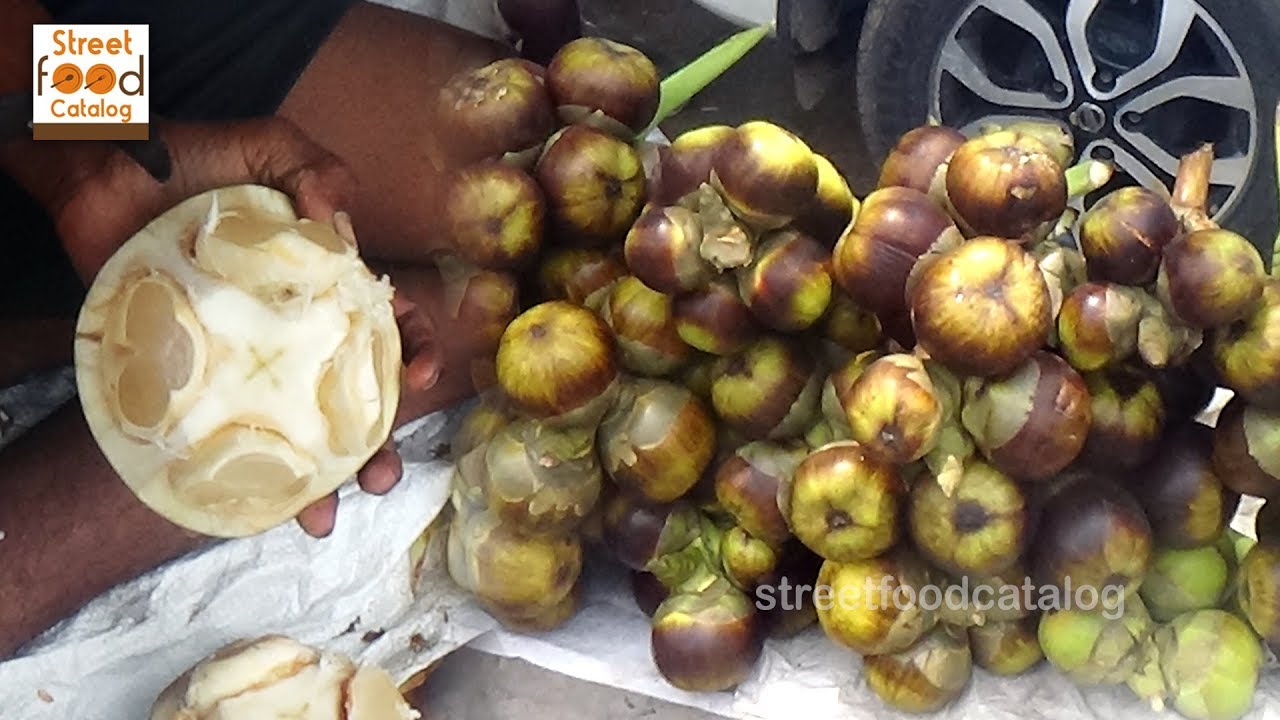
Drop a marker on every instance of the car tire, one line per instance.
(900, 45)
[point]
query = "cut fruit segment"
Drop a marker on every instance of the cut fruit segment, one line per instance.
(243, 471)
(155, 355)
(350, 392)
(277, 259)
(236, 363)
(277, 678)
(373, 695)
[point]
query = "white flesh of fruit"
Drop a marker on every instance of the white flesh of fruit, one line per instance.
(235, 363)
(277, 678)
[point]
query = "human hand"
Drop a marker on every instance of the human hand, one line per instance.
(104, 197)
(107, 198)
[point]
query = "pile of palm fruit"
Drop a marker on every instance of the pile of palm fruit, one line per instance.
(966, 416)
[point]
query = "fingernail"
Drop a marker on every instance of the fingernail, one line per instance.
(342, 223)
(425, 379)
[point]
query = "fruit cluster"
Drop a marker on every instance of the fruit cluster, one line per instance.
(713, 361)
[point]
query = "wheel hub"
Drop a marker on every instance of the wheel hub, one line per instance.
(1089, 117)
(1117, 79)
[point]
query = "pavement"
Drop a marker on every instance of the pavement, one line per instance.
(472, 685)
(813, 96)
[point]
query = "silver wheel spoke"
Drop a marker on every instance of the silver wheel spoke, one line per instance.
(961, 66)
(1078, 14)
(1226, 170)
(1233, 92)
(1228, 92)
(1176, 18)
(957, 61)
(1132, 118)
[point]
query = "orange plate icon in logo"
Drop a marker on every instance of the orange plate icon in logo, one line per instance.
(67, 78)
(101, 79)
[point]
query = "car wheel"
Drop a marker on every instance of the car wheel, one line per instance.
(1137, 82)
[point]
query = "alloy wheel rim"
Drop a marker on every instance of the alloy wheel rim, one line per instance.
(1137, 86)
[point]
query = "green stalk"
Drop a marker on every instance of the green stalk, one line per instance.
(680, 87)
(1085, 177)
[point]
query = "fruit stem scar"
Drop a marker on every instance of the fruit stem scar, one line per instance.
(838, 519)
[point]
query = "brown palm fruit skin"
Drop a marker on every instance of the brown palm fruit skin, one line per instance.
(494, 213)
(851, 327)
(715, 320)
(648, 591)
(686, 163)
(786, 286)
(843, 504)
(639, 533)
(500, 108)
(765, 174)
(1033, 423)
(749, 483)
(1124, 235)
(1258, 590)
(1098, 325)
(1128, 418)
(1096, 534)
(832, 209)
(1007, 647)
(644, 328)
(982, 308)
(657, 440)
(1006, 184)
(664, 249)
(769, 391)
(747, 561)
(977, 527)
(918, 155)
(925, 677)
(893, 409)
(558, 362)
(1179, 490)
(876, 253)
(1245, 456)
(594, 186)
(578, 275)
(857, 615)
(708, 640)
(1210, 278)
(604, 83)
(1246, 354)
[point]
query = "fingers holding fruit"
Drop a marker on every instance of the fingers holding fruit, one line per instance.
(238, 363)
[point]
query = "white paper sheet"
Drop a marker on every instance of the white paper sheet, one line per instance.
(110, 661)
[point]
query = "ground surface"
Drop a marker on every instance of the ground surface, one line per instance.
(762, 85)
(471, 685)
